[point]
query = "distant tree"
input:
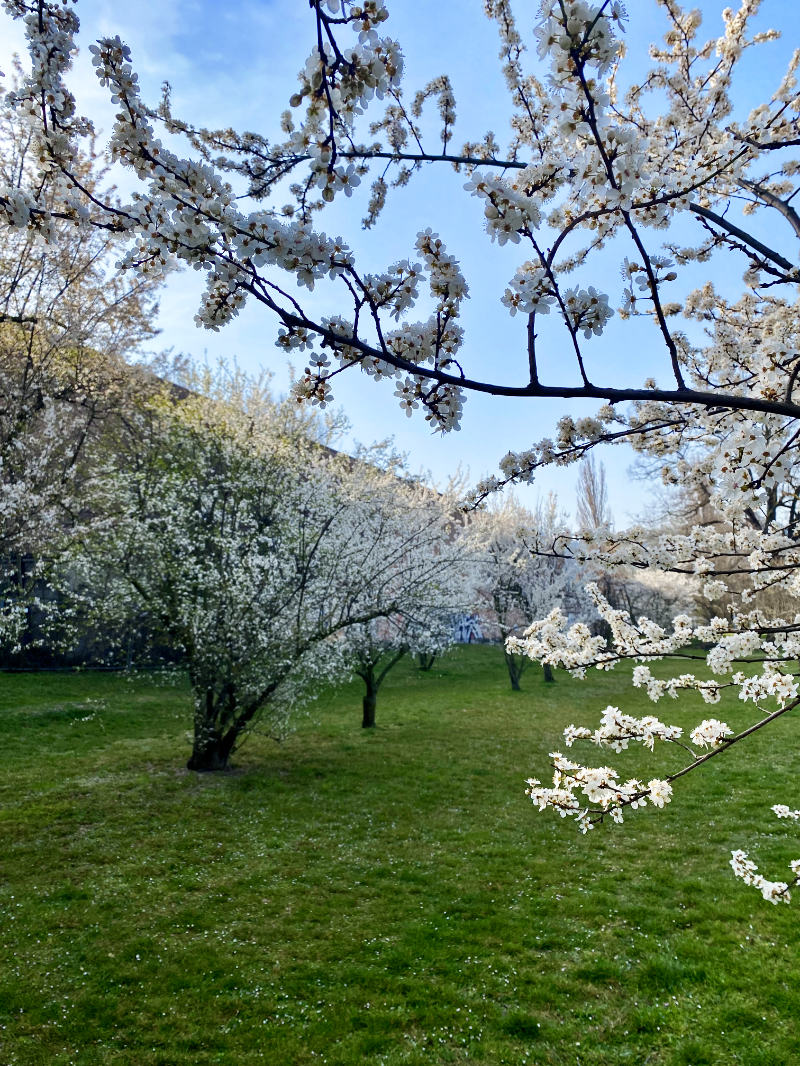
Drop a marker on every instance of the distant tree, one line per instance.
(437, 640)
(378, 646)
(592, 510)
(519, 579)
(636, 592)
(434, 579)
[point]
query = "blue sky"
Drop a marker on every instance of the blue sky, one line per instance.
(236, 63)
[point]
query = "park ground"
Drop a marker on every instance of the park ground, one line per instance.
(386, 896)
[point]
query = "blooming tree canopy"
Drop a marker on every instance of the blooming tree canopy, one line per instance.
(665, 174)
(68, 321)
(249, 548)
(436, 583)
(517, 584)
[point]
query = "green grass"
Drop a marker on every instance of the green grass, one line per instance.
(381, 897)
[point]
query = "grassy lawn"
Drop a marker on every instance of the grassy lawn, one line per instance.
(383, 897)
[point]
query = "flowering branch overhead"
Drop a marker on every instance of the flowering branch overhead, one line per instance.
(580, 162)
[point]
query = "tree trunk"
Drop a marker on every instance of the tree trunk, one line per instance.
(211, 748)
(370, 701)
(515, 664)
(209, 755)
(210, 752)
(548, 672)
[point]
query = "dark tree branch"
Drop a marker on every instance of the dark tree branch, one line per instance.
(746, 238)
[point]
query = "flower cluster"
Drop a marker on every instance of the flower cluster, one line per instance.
(746, 869)
(710, 733)
(617, 730)
(772, 891)
(447, 283)
(575, 32)
(769, 685)
(587, 310)
(509, 211)
(530, 291)
(657, 687)
(603, 792)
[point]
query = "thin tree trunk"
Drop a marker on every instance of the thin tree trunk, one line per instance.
(370, 699)
(373, 681)
(547, 669)
(515, 665)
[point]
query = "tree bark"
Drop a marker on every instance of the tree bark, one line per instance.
(368, 672)
(211, 752)
(515, 667)
(370, 700)
(212, 748)
(548, 672)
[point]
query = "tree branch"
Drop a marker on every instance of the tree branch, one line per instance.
(746, 238)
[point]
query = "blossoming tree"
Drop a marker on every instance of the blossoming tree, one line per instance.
(517, 584)
(68, 321)
(378, 646)
(248, 548)
(423, 541)
(665, 174)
